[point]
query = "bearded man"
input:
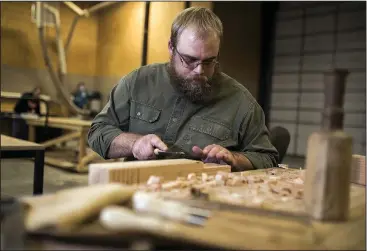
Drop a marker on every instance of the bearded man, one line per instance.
(186, 104)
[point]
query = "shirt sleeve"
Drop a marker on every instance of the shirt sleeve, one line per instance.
(256, 145)
(112, 120)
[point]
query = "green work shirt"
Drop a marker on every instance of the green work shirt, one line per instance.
(145, 102)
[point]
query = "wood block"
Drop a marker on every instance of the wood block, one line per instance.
(358, 172)
(327, 180)
(135, 172)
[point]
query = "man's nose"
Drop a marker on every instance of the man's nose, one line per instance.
(199, 69)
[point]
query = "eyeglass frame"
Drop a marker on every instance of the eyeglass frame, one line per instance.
(196, 63)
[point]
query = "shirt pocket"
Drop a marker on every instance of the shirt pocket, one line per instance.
(205, 131)
(143, 118)
(144, 112)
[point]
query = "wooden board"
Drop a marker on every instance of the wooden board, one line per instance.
(135, 172)
(61, 122)
(66, 209)
(358, 174)
(13, 144)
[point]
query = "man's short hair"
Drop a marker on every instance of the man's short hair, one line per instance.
(202, 19)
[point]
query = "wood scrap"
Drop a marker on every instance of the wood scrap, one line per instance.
(69, 208)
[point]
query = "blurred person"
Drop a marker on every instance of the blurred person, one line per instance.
(81, 96)
(187, 103)
(28, 103)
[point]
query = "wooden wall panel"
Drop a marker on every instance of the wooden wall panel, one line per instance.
(208, 5)
(241, 45)
(20, 45)
(120, 38)
(82, 53)
(160, 21)
(19, 41)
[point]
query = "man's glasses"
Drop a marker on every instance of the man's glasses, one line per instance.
(193, 63)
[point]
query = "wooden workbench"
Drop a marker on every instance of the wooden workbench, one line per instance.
(239, 229)
(78, 130)
(17, 148)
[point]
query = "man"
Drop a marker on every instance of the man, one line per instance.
(27, 103)
(186, 104)
(80, 96)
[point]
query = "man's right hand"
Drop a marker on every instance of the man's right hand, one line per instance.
(143, 147)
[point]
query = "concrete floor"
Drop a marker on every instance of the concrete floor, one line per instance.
(17, 176)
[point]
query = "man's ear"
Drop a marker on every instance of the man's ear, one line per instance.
(170, 48)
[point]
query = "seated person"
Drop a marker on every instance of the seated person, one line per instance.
(187, 103)
(28, 103)
(80, 96)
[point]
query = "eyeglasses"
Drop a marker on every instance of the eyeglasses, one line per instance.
(192, 64)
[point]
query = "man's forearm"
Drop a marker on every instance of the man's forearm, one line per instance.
(122, 145)
(241, 163)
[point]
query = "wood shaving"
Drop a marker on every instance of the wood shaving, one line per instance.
(275, 188)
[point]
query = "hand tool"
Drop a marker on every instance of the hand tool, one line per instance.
(168, 154)
(329, 157)
(174, 152)
(119, 218)
(151, 204)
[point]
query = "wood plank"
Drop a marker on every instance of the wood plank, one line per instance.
(61, 139)
(133, 172)
(11, 144)
(60, 121)
(60, 163)
(358, 172)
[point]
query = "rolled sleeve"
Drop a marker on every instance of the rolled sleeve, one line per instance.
(256, 145)
(101, 142)
(111, 121)
(260, 160)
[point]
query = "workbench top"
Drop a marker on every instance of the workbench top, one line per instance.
(60, 121)
(239, 230)
(12, 144)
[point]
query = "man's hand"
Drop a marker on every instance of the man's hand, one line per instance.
(218, 154)
(143, 147)
(215, 154)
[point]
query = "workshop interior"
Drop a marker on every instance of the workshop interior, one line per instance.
(183, 125)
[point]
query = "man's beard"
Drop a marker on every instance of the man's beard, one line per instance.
(197, 89)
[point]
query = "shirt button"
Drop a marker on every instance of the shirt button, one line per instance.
(174, 120)
(138, 114)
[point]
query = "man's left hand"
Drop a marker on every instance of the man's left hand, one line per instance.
(215, 154)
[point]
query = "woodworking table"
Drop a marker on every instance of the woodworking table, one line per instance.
(78, 131)
(16, 148)
(230, 229)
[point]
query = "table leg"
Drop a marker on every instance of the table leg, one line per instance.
(31, 133)
(82, 145)
(38, 172)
